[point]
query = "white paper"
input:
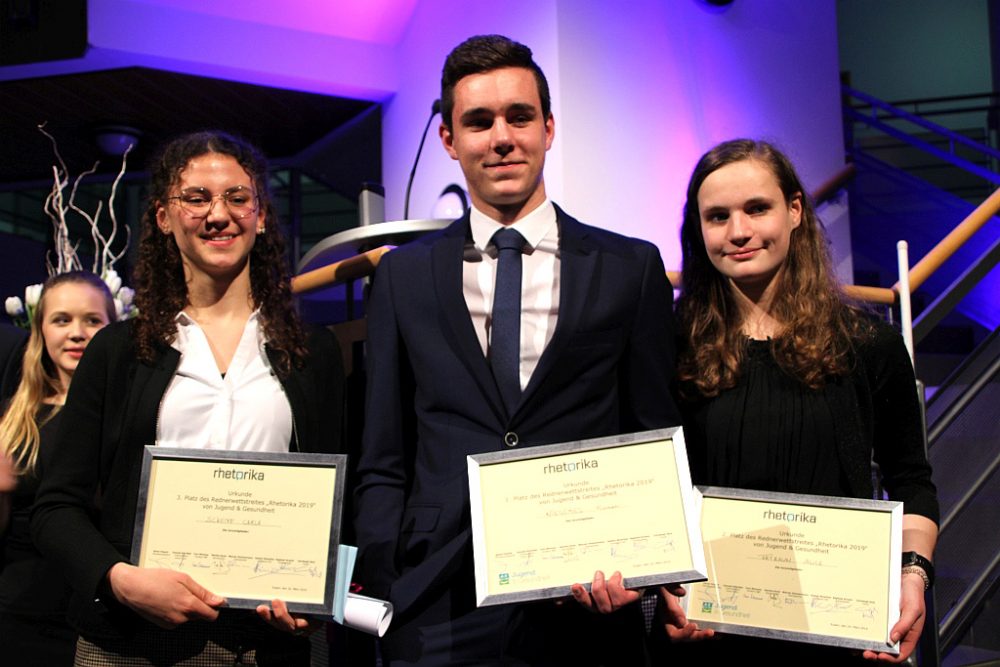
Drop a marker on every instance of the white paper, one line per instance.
(367, 614)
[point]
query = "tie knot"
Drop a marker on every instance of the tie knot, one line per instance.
(508, 239)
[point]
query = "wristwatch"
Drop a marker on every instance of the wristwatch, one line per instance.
(914, 562)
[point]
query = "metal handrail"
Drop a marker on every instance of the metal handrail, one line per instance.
(947, 156)
(947, 246)
(916, 101)
(875, 103)
(948, 105)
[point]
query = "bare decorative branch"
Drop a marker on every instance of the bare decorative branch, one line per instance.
(65, 251)
(109, 258)
(56, 206)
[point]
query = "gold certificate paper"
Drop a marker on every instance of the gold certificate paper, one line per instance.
(544, 518)
(248, 526)
(805, 568)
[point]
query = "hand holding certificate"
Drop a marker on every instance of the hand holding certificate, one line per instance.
(163, 597)
(606, 595)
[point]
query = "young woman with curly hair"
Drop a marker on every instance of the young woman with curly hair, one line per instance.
(217, 358)
(72, 307)
(784, 384)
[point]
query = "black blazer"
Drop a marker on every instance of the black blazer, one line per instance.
(109, 417)
(432, 400)
(12, 341)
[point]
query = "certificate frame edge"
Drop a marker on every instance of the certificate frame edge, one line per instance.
(570, 446)
(475, 461)
(893, 508)
(691, 504)
(895, 583)
(338, 461)
(478, 536)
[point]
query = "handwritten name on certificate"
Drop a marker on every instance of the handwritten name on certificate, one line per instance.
(242, 529)
(545, 522)
(820, 573)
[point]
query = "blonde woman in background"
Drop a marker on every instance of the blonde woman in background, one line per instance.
(33, 594)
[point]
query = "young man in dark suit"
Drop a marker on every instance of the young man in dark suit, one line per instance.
(469, 355)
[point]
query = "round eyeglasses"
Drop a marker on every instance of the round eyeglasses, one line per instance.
(198, 202)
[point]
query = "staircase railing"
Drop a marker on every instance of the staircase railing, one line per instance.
(878, 121)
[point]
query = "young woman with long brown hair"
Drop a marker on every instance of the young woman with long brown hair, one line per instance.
(785, 385)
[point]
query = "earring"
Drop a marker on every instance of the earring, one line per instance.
(260, 230)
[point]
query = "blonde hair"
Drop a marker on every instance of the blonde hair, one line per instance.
(19, 435)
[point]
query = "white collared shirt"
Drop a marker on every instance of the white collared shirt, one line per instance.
(539, 281)
(247, 410)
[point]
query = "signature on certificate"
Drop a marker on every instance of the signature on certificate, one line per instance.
(245, 566)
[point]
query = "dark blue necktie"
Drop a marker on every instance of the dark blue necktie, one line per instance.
(505, 333)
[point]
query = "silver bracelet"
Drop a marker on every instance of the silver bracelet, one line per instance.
(919, 571)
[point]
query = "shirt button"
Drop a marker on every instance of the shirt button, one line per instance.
(510, 439)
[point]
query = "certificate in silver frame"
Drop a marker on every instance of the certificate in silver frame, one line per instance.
(790, 567)
(544, 518)
(265, 524)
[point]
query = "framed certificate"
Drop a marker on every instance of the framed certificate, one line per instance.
(804, 568)
(544, 518)
(249, 526)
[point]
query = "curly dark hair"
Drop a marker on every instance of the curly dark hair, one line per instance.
(161, 292)
(820, 324)
(485, 53)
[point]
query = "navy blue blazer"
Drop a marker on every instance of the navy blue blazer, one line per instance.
(432, 400)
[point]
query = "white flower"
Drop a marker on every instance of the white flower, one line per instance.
(14, 306)
(119, 308)
(112, 280)
(32, 293)
(126, 294)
